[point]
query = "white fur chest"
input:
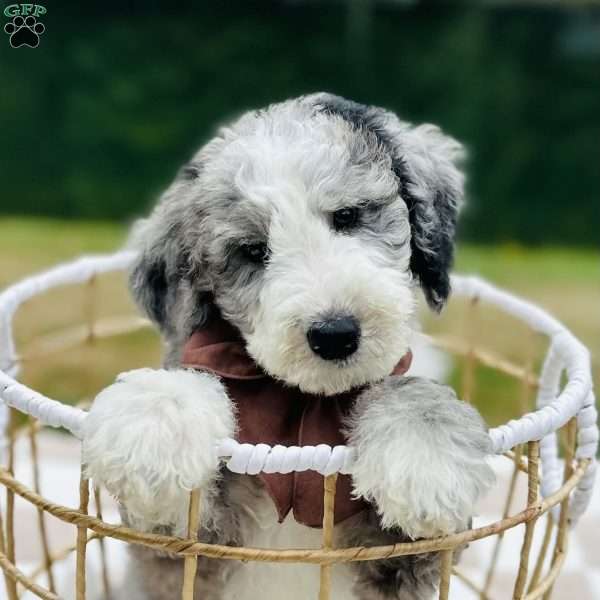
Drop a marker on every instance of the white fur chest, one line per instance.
(273, 581)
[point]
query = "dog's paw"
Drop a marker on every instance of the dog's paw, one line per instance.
(152, 436)
(420, 456)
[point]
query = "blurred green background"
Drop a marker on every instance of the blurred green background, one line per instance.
(96, 120)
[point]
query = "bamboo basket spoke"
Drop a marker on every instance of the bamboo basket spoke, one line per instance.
(191, 562)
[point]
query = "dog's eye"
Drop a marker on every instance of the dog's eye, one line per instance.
(345, 218)
(256, 253)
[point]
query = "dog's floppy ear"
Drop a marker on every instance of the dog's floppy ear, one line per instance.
(426, 162)
(433, 188)
(158, 272)
(164, 281)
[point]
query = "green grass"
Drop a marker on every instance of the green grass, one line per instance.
(30, 245)
(512, 264)
(564, 281)
(27, 245)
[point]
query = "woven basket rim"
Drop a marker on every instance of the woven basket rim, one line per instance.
(571, 407)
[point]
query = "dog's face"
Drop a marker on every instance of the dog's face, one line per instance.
(307, 225)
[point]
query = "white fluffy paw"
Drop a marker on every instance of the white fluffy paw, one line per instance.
(421, 456)
(152, 436)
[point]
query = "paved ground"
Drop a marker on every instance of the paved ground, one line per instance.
(580, 579)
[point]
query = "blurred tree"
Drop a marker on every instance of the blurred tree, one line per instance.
(96, 119)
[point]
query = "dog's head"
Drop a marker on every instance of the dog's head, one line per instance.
(306, 225)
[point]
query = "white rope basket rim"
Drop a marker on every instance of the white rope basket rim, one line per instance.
(555, 407)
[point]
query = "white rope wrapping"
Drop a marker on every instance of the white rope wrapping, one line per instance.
(79, 271)
(548, 390)
(19, 396)
(4, 423)
(254, 459)
(554, 409)
(49, 412)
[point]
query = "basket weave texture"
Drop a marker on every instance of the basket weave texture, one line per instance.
(558, 491)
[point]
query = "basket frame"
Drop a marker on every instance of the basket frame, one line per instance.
(571, 409)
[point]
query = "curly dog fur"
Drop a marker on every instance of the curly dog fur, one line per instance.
(309, 213)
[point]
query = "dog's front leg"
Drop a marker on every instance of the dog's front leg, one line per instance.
(151, 438)
(420, 455)
(421, 461)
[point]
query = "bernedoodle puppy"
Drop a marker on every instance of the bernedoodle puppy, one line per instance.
(282, 267)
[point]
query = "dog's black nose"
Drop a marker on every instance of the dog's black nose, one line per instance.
(334, 339)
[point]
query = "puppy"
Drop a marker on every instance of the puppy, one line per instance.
(281, 267)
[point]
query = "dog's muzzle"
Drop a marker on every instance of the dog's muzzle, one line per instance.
(334, 339)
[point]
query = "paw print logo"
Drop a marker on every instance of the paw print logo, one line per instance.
(24, 31)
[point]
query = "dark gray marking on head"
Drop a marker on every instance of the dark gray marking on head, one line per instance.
(432, 247)
(149, 284)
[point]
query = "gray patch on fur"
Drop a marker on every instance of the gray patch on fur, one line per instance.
(433, 214)
(403, 578)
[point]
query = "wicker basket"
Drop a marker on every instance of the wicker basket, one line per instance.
(556, 494)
